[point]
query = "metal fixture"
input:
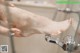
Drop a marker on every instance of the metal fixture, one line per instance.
(70, 45)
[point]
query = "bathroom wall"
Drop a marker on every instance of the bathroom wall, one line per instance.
(37, 43)
(52, 1)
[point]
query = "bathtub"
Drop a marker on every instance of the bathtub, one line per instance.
(35, 43)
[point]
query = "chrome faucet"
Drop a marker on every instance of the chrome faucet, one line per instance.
(67, 46)
(70, 45)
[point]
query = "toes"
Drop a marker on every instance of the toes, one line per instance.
(12, 5)
(70, 20)
(56, 33)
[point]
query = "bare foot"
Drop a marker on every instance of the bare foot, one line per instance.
(58, 27)
(62, 26)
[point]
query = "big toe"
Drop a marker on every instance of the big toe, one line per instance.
(66, 24)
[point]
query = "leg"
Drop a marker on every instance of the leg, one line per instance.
(40, 23)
